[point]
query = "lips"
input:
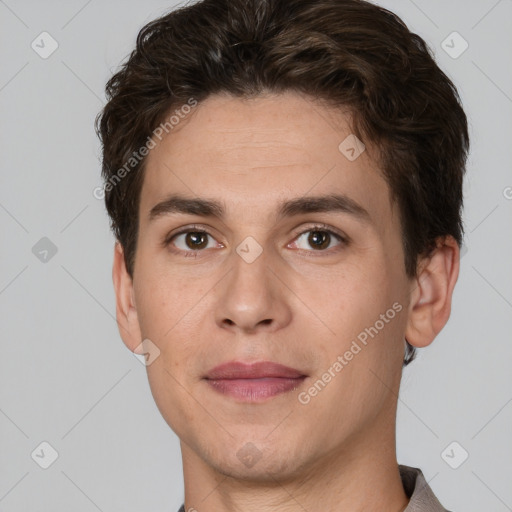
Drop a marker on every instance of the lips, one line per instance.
(254, 382)
(239, 370)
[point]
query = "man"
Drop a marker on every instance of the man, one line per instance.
(284, 181)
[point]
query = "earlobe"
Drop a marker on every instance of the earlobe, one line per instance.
(126, 311)
(431, 293)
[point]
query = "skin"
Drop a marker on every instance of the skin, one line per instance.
(295, 304)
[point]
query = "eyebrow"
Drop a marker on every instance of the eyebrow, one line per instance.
(308, 204)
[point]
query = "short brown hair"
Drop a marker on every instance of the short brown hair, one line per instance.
(348, 53)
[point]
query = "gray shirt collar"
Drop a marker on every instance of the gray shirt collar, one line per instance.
(422, 499)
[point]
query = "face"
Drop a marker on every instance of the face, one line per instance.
(322, 292)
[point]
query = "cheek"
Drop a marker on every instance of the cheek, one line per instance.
(366, 320)
(163, 298)
(169, 308)
(156, 316)
(354, 299)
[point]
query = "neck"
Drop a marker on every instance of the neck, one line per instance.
(362, 477)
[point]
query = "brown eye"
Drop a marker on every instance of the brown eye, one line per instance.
(196, 239)
(318, 239)
(190, 241)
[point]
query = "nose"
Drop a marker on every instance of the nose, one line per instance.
(252, 297)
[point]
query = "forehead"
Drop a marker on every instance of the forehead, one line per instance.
(252, 154)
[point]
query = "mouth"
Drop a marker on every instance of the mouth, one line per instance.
(254, 382)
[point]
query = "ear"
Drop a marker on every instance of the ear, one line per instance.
(126, 311)
(431, 293)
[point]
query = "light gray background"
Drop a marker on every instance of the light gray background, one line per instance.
(66, 377)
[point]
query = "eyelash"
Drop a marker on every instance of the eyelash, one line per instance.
(198, 229)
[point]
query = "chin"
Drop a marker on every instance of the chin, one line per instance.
(259, 461)
(265, 471)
